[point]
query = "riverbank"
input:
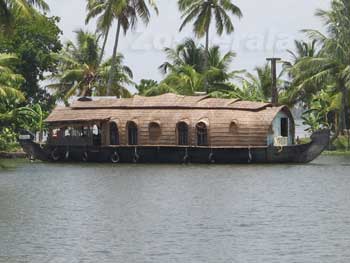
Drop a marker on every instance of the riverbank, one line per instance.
(12, 155)
(337, 153)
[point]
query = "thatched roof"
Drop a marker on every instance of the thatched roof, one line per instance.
(169, 100)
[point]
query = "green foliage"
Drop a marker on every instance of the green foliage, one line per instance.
(247, 91)
(8, 139)
(260, 83)
(12, 10)
(313, 120)
(13, 115)
(329, 68)
(317, 116)
(9, 81)
(80, 72)
(126, 14)
(186, 73)
(33, 42)
(185, 80)
(203, 12)
(186, 53)
(145, 85)
(341, 143)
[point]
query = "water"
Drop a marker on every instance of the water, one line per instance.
(151, 213)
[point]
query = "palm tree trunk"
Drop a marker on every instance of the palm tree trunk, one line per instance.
(337, 128)
(344, 108)
(206, 59)
(103, 47)
(114, 61)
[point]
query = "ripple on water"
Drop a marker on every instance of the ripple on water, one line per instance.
(166, 213)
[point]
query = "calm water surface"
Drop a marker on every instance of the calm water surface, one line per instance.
(168, 213)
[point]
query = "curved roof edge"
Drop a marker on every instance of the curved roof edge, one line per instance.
(170, 101)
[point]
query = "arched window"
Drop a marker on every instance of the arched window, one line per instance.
(233, 127)
(182, 133)
(154, 131)
(202, 134)
(132, 133)
(113, 134)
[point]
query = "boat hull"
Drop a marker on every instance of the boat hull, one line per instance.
(167, 154)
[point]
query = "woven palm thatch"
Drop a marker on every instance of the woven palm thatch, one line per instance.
(230, 122)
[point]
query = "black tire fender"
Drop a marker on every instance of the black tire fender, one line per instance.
(211, 158)
(55, 155)
(136, 157)
(186, 158)
(115, 157)
(85, 156)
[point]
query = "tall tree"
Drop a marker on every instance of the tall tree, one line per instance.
(10, 9)
(219, 74)
(184, 80)
(203, 12)
(9, 81)
(126, 14)
(33, 44)
(189, 53)
(302, 49)
(332, 66)
(261, 81)
(293, 95)
(12, 113)
(186, 53)
(81, 73)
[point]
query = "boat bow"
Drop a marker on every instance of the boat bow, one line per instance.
(319, 142)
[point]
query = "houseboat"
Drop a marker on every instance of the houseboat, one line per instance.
(173, 129)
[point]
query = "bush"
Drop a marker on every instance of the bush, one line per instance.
(341, 143)
(8, 140)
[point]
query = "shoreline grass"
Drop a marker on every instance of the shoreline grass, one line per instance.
(336, 153)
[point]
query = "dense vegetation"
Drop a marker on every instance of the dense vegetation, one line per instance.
(37, 70)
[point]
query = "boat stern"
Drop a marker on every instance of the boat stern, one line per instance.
(30, 147)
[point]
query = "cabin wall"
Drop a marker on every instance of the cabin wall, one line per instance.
(225, 127)
(276, 128)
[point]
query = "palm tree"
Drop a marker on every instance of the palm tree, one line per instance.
(302, 49)
(246, 91)
(203, 12)
(261, 81)
(184, 80)
(218, 73)
(158, 89)
(10, 9)
(293, 95)
(254, 86)
(145, 85)
(80, 72)
(126, 14)
(9, 81)
(189, 54)
(332, 65)
(186, 53)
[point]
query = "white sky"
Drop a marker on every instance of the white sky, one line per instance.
(267, 29)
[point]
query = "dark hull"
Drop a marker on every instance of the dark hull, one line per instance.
(162, 154)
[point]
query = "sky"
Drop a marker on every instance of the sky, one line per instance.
(268, 28)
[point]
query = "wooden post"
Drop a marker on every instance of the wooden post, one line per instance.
(274, 92)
